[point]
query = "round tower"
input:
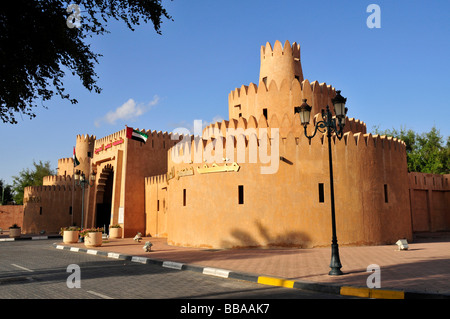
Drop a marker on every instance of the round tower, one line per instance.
(280, 63)
(84, 151)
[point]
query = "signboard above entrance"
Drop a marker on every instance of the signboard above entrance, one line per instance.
(109, 145)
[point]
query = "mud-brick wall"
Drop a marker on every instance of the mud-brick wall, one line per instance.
(430, 202)
(10, 215)
(286, 208)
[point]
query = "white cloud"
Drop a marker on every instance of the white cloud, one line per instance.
(129, 111)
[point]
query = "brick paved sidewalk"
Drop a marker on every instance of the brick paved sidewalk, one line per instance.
(425, 267)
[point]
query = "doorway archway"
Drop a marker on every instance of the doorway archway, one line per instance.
(104, 198)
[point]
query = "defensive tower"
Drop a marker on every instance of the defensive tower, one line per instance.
(84, 150)
(280, 63)
(65, 166)
(281, 87)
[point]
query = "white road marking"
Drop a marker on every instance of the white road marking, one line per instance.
(22, 267)
(98, 294)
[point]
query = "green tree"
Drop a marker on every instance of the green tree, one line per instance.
(6, 193)
(426, 152)
(37, 44)
(30, 177)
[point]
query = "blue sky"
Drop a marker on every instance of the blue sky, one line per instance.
(394, 76)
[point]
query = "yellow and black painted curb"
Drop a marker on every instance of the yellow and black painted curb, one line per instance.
(341, 290)
(360, 292)
(371, 293)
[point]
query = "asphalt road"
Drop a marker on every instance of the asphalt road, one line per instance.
(36, 270)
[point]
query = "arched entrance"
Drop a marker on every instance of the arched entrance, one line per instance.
(104, 198)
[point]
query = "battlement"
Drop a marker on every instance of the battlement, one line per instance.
(279, 98)
(86, 138)
(65, 166)
(425, 181)
(157, 179)
(57, 180)
(304, 87)
(152, 135)
(216, 134)
(65, 161)
(50, 193)
(112, 137)
(244, 142)
(288, 123)
(51, 188)
(288, 50)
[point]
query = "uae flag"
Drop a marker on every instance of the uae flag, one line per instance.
(76, 162)
(136, 135)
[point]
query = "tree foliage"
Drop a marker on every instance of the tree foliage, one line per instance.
(37, 46)
(6, 193)
(30, 177)
(426, 153)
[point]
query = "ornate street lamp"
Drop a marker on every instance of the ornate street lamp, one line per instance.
(80, 179)
(330, 125)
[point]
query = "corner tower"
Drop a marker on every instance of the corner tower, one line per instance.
(85, 151)
(280, 63)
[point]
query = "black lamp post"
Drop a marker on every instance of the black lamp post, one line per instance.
(80, 179)
(330, 125)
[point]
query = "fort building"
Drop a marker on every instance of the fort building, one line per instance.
(253, 180)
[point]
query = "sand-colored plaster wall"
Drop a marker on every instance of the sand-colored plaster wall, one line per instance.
(10, 215)
(142, 160)
(49, 208)
(156, 205)
(430, 202)
(283, 209)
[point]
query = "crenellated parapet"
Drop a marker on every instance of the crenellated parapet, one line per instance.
(86, 138)
(287, 123)
(65, 166)
(51, 188)
(425, 181)
(252, 141)
(156, 180)
(255, 135)
(288, 50)
(279, 99)
(65, 161)
(62, 180)
(50, 207)
(49, 194)
(112, 138)
(156, 139)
